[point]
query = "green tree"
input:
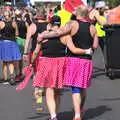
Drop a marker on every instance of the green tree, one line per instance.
(114, 3)
(1, 2)
(111, 3)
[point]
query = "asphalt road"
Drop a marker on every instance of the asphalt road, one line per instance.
(103, 100)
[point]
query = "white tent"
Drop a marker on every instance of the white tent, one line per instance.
(33, 1)
(84, 1)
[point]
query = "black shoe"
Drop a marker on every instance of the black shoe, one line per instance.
(12, 81)
(5, 82)
(1, 81)
(54, 118)
(18, 78)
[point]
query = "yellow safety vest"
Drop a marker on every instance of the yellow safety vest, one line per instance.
(99, 28)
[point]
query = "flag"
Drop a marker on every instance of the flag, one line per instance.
(28, 71)
(84, 2)
(69, 9)
(70, 5)
(65, 16)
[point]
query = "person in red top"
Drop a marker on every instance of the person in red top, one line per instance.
(50, 14)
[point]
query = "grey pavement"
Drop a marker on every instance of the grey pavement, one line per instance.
(103, 100)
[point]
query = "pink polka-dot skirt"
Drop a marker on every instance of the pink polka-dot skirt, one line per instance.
(78, 72)
(50, 72)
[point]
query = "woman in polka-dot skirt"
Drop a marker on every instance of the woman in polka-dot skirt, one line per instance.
(51, 66)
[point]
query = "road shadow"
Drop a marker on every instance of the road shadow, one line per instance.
(98, 72)
(89, 114)
(95, 112)
(111, 99)
(62, 115)
(38, 115)
(97, 69)
(66, 115)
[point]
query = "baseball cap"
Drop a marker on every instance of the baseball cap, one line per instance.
(100, 4)
(55, 20)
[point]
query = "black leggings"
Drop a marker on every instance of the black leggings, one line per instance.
(101, 43)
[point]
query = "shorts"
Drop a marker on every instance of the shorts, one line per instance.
(75, 89)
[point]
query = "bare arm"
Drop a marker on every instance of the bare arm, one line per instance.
(67, 40)
(95, 38)
(48, 27)
(1, 23)
(62, 31)
(35, 53)
(16, 28)
(30, 31)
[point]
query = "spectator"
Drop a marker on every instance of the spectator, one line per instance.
(8, 47)
(99, 27)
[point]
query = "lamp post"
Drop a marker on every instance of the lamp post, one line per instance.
(13, 2)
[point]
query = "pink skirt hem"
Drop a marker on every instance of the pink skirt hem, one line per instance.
(50, 72)
(78, 72)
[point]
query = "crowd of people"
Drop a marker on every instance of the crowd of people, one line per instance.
(59, 56)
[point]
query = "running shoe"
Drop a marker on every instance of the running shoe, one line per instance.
(12, 82)
(53, 118)
(77, 119)
(5, 82)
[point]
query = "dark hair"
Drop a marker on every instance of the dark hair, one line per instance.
(41, 13)
(55, 21)
(55, 10)
(50, 10)
(73, 17)
(58, 7)
(34, 6)
(28, 20)
(63, 2)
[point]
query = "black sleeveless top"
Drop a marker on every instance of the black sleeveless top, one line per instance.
(82, 39)
(40, 28)
(21, 28)
(53, 48)
(8, 32)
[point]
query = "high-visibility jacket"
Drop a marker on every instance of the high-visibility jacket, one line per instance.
(99, 28)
